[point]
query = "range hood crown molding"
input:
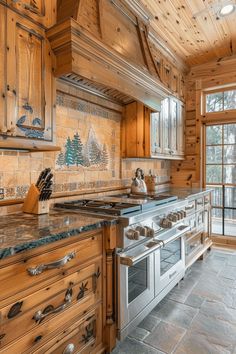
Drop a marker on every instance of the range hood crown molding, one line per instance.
(79, 52)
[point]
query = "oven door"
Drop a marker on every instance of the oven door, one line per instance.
(169, 263)
(135, 287)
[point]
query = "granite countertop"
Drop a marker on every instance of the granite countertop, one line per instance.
(21, 232)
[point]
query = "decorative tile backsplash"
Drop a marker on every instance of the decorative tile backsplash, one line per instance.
(89, 135)
(90, 154)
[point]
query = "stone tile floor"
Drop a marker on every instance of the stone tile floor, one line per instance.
(197, 317)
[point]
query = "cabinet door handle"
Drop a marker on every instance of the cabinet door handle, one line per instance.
(190, 207)
(40, 315)
(172, 274)
(57, 264)
(69, 349)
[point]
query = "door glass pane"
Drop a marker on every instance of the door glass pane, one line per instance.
(170, 255)
(230, 174)
(230, 222)
(137, 279)
(230, 197)
(230, 134)
(217, 221)
(214, 102)
(173, 130)
(214, 174)
(213, 154)
(230, 99)
(214, 135)
(155, 132)
(230, 154)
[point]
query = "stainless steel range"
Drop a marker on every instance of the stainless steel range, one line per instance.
(150, 249)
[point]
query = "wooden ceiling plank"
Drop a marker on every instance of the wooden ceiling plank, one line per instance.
(194, 40)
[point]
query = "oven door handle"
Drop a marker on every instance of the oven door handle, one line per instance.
(130, 261)
(176, 236)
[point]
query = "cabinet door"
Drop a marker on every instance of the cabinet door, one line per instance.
(29, 80)
(156, 130)
(174, 113)
(40, 11)
(180, 130)
(165, 117)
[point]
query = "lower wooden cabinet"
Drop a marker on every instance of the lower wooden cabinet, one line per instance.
(60, 310)
(84, 336)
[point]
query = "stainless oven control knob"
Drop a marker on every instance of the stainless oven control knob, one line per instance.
(150, 231)
(142, 230)
(132, 234)
(180, 214)
(166, 223)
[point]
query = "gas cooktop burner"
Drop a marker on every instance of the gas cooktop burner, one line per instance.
(101, 206)
(121, 204)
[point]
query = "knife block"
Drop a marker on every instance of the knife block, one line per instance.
(32, 204)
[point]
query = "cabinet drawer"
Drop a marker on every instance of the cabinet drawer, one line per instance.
(190, 208)
(84, 336)
(17, 277)
(193, 244)
(34, 311)
(199, 203)
(44, 332)
(207, 200)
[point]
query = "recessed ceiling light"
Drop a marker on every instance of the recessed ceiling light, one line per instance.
(227, 10)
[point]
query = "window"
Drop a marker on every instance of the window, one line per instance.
(220, 101)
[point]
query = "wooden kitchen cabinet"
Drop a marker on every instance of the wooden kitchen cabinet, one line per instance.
(29, 79)
(45, 310)
(42, 12)
(136, 131)
(28, 87)
(153, 134)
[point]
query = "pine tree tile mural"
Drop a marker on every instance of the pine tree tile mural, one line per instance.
(92, 154)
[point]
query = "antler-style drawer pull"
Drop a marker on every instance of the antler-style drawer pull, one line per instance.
(69, 349)
(57, 264)
(40, 315)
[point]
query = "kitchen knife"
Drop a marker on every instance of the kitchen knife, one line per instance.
(42, 176)
(39, 178)
(46, 193)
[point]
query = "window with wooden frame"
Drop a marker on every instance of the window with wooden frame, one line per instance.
(219, 100)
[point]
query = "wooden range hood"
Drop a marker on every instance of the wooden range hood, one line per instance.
(105, 43)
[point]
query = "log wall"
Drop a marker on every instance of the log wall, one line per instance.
(188, 173)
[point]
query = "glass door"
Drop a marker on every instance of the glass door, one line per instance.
(220, 175)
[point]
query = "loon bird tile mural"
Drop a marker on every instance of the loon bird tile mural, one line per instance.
(90, 154)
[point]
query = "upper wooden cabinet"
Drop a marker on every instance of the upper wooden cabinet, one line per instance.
(27, 91)
(41, 11)
(153, 134)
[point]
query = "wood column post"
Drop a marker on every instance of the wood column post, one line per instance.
(110, 288)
